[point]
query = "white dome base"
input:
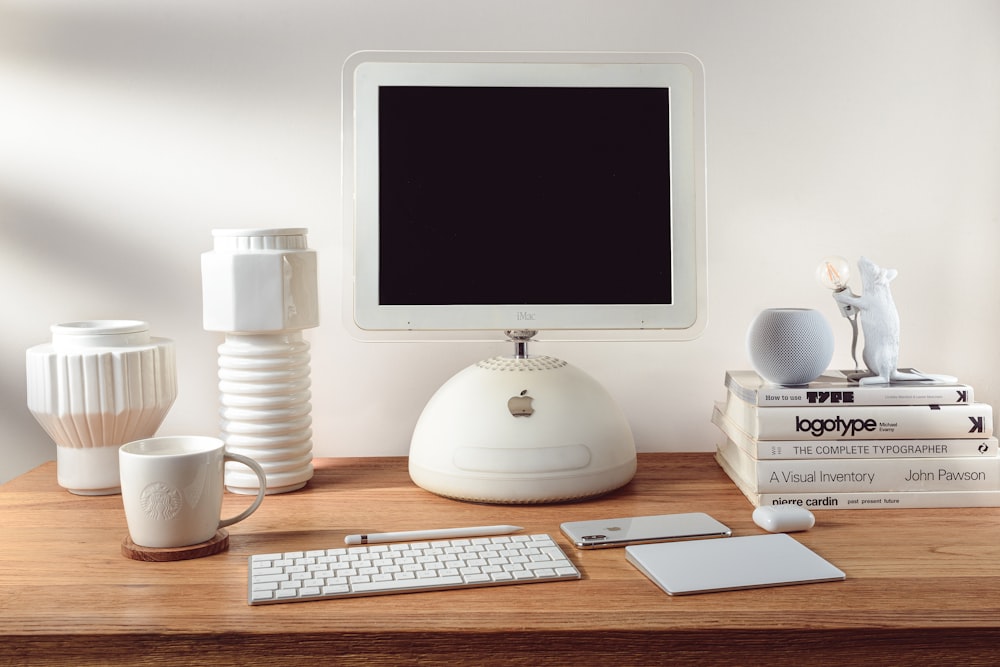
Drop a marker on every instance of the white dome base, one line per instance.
(521, 430)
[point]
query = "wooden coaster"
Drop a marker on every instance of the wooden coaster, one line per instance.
(218, 544)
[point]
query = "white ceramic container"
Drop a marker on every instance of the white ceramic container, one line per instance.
(259, 287)
(97, 385)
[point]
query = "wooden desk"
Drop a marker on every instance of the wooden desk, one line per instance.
(923, 586)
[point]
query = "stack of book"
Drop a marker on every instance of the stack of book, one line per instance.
(836, 444)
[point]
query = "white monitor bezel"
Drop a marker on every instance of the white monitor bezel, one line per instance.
(365, 71)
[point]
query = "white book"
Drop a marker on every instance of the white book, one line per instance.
(852, 449)
(834, 388)
(923, 474)
(861, 422)
(833, 500)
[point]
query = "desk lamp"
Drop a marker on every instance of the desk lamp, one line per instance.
(833, 273)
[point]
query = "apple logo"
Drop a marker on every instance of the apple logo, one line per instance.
(520, 405)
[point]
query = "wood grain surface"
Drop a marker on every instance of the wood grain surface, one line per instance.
(923, 586)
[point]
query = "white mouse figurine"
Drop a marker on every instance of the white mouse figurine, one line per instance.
(879, 322)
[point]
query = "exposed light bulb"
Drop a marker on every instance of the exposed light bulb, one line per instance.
(833, 273)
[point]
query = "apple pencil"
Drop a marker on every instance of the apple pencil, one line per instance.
(441, 534)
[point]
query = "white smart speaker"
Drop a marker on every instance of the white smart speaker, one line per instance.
(790, 345)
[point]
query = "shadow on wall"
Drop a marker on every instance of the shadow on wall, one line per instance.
(214, 49)
(78, 250)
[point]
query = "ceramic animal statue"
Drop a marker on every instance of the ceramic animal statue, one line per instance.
(879, 322)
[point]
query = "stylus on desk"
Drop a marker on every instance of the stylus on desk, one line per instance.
(441, 534)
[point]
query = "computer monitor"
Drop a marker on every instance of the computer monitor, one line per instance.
(559, 192)
(487, 194)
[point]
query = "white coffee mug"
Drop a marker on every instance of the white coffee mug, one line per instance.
(172, 489)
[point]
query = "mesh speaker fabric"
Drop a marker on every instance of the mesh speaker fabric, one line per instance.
(790, 345)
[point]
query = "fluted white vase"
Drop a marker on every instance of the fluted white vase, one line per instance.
(97, 385)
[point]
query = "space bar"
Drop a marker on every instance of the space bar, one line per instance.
(406, 584)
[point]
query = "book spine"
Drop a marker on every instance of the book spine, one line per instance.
(854, 449)
(924, 474)
(831, 500)
(883, 422)
(915, 394)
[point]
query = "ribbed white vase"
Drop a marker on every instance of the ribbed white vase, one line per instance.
(266, 411)
(96, 386)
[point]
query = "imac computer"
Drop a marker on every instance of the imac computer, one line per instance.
(520, 194)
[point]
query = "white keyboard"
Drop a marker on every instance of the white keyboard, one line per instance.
(381, 569)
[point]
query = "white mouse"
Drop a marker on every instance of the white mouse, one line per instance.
(783, 518)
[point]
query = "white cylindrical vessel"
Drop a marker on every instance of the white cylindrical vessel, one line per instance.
(266, 410)
(259, 287)
(96, 386)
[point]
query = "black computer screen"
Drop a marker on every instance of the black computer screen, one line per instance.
(524, 195)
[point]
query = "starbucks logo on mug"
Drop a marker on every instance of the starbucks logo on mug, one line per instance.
(160, 501)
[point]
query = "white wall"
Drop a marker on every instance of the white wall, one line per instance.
(129, 130)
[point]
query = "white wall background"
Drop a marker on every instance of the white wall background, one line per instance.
(129, 130)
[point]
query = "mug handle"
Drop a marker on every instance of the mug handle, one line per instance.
(261, 491)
